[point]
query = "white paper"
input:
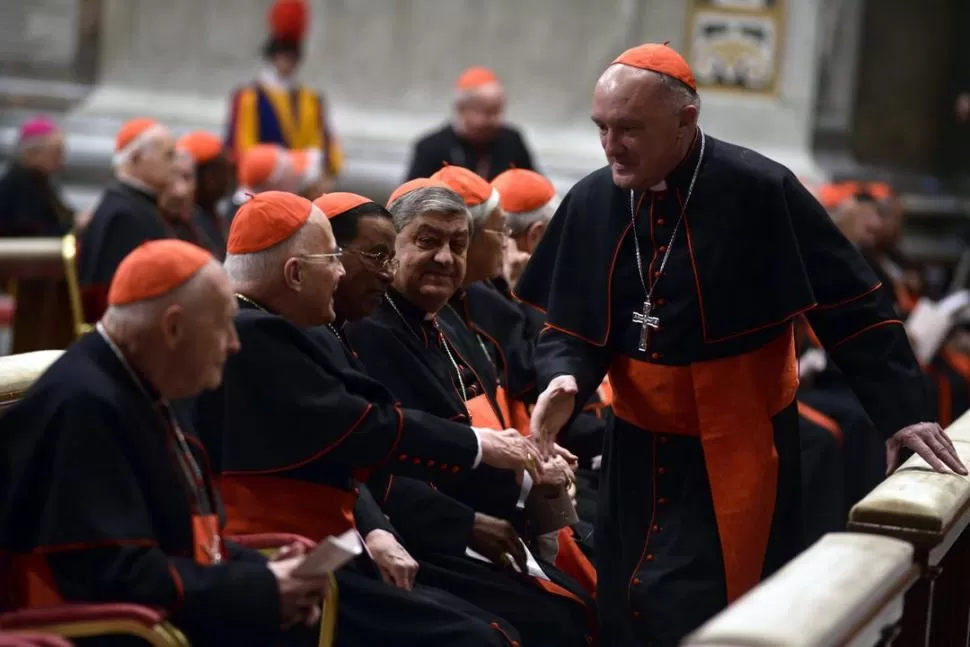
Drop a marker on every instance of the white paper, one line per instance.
(532, 565)
(329, 555)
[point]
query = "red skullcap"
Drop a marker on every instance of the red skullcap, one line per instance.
(334, 204)
(265, 220)
(413, 185)
(155, 269)
(522, 190)
(661, 59)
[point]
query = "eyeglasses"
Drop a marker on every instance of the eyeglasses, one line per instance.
(505, 231)
(327, 258)
(379, 261)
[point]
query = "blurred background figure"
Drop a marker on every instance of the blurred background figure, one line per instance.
(529, 201)
(276, 108)
(30, 203)
(213, 181)
(176, 202)
(127, 214)
(478, 137)
(308, 177)
(265, 167)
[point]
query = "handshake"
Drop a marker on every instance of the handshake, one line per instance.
(508, 449)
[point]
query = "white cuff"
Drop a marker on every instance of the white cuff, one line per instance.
(526, 488)
(478, 441)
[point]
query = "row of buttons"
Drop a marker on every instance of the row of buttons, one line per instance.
(430, 463)
(661, 500)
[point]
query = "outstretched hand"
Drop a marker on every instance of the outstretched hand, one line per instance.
(929, 441)
(552, 411)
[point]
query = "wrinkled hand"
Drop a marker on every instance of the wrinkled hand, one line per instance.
(497, 540)
(930, 443)
(552, 411)
(507, 449)
(300, 599)
(571, 459)
(396, 565)
(556, 474)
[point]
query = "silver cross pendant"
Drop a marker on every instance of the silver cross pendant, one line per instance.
(647, 320)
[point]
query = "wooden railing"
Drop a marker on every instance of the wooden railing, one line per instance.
(41, 275)
(846, 589)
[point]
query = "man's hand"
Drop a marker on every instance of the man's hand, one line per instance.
(514, 261)
(571, 459)
(556, 475)
(395, 563)
(299, 599)
(930, 443)
(552, 411)
(496, 539)
(507, 449)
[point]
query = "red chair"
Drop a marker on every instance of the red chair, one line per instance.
(33, 640)
(151, 625)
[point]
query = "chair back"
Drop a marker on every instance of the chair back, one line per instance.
(19, 372)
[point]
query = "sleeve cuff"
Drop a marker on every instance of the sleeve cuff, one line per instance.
(526, 489)
(478, 442)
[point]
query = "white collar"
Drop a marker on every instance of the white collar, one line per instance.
(271, 79)
(135, 183)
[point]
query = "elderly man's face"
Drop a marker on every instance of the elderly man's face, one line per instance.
(641, 130)
(487, 250)
(320, 271)
(482, 114)
(153, 164)
(178, 198)
(206, 334)
(432, 249)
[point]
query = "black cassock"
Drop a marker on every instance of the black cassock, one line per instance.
(507, 335)
(96, 505)
(700, 490)
(30, 205)
(292, 427)
(125, 218)
(545, 614)
(444, 146)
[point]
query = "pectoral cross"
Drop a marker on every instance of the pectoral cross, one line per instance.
(646, 321)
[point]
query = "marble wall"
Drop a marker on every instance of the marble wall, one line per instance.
(388, 67)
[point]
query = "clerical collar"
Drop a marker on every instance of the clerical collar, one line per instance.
(407, 308)
(137, 185)
(682, 173)
(251, 304)
(143, 384)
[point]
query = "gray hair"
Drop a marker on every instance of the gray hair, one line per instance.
(681, 95)
(256, 267)
(519, 223)
(431, 199)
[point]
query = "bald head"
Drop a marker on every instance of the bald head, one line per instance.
(647, 122)
(150, 160)
(179, 341)
(295, 278)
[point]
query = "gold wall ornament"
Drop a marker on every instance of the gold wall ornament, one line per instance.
(735, 45)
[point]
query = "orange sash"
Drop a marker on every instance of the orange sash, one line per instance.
(729, 404)
(206, 542)
(571, 560)
(258, 504)
(482, 413)
(815, 416)
(515, 412)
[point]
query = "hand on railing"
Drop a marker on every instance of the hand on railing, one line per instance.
(928, 440)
